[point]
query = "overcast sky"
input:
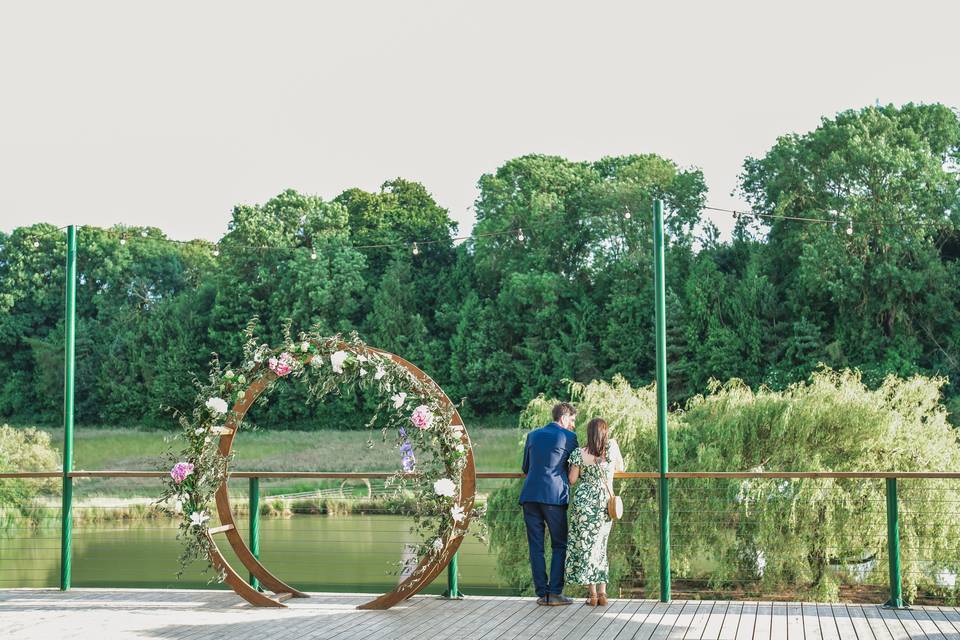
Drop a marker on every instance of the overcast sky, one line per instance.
(170, 113)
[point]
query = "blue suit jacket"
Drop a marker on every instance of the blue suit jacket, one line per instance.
(545, 457)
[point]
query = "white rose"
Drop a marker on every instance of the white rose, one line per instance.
(444, 487)
(217, 405)
(304, 346)
(457, 513)
(363, 372)
(228, 374)
(197, 518)
(198, 431)
(380, 372)
(460, 448)
(337, 359)
(316, 362)
(399, 399)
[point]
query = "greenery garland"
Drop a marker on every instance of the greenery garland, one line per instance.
(414, 413)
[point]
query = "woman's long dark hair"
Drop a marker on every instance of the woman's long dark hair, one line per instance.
(597, 438)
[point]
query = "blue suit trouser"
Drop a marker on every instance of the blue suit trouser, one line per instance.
(540, 517)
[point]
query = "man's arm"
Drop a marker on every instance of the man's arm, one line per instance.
(526, 456)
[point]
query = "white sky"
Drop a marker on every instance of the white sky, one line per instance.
(170, 113)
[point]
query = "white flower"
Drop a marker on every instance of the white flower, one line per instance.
(460, 448)
(316, 362)
(304, 346)
(437, 544)
(206, 440)
(363, 372)
(198, 431)
(228, 374)
(457, 513)
(380, 372)
(178, 506)
(337, 359)
(444, 487)
(197, 518)
(457, 429)
(217, 405)
(399, 399)
(361, 358)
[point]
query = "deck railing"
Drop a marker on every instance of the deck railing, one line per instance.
(470, 558)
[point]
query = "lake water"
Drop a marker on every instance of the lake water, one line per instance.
(310, 552)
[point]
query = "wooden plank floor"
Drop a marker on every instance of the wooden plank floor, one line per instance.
(191, 614)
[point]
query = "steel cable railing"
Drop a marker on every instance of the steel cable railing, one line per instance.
(731, 536)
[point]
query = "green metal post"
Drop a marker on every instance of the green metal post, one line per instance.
(660, 288)
(453, 588)
(255, 525)
(893, 545)
(66, 507)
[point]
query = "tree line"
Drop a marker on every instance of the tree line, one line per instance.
(869, 279)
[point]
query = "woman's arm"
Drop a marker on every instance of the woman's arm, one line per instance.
(616, 458)
(573, 474)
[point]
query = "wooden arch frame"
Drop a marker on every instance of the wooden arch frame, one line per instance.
(423, 574)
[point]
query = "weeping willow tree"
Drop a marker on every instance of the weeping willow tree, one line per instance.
(807, 536)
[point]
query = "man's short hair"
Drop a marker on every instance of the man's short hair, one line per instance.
(563, 409)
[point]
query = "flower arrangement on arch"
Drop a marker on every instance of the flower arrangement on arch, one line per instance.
(412, 413)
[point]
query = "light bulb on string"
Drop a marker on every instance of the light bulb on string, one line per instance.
(143, 234)
(36, 243)
(626, 213)
(216, 252)
(123, 240)
(850, 228)
(416, 249)
(313, 254)
(520, 235)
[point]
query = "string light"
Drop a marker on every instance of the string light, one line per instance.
(313, 254)
(626, 213)
(850, 228)
(520, 235)
(36, 243)
(416, 249)
(829, 220)
(143, 234)
(216, 252)
(123, 240)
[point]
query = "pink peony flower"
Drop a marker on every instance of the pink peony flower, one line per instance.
(180, 471)
(282, 365)
(422, 417)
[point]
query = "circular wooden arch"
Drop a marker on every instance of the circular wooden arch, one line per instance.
(428, 568)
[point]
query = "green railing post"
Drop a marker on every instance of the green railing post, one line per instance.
(664, 489)
(893, 545)
(453, 587)
(255, 525)
(66, 506)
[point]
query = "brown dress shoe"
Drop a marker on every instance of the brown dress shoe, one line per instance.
(558, 600)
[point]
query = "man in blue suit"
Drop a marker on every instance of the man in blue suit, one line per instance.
(544, 497)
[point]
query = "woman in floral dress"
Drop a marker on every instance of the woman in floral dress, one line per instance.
(593, 466)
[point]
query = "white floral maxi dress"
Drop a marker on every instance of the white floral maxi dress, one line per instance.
(590, 523)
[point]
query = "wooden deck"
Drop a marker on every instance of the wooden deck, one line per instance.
(190, 614)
